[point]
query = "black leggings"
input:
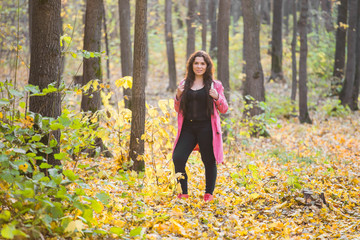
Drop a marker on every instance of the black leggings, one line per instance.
(192, 133)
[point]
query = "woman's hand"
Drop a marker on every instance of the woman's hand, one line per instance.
(214, 94)
(180, 90)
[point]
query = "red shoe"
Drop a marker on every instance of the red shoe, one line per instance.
(181, 196)
(208, 197)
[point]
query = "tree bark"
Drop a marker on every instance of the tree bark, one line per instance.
(203, 17)
(92, 42)
(45, 64)
(178, 17)
(213, 23)
(125, 46)
(355, 95)
(235, 13)
(265, 11)
(339, 62)
(326, 15)
(170, 46)
(138, 90)
(223, 45)
(106, 45)
(276, 43)
(304, 113)
(190, 22)
(254, 83)
(346, 93)
(293, 55)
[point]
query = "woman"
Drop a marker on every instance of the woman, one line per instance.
(197, 101)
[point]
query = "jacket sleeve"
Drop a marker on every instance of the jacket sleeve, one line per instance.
(221, 104)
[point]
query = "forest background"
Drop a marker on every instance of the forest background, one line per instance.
(281, 178)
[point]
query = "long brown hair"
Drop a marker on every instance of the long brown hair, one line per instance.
(190, 78)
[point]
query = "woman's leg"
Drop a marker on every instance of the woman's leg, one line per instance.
(204, 135)
(182, 151)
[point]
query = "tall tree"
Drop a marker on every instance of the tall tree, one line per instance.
(286, 13)
(138, 90)
(170, 46)
(223, 45)
(254, 83)
(293, 54)
(276, 43)
(45, 64)
(203, 18)
(339, 61)
(92, 42)
(304, 113)
(265, 11)
(346, 93)
(212, 19)
(235, 14)
(326, 14)
(125, 46)
(190, 23)
(357, 74)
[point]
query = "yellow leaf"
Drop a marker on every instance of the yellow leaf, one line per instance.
(23, 167)
(74, 225)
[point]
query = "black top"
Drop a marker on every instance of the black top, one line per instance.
(196, 105)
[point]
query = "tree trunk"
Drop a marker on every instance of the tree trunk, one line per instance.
(326, 15)
(265, 11)
(178, 16)
(355, 95)
(286, 14)
(304, 113)
(223, 45)
(203, 17)
(45, 64)
(235, 13)
(106, 45)
(346, 93)
(190, 22)
(254, 83)
(125, 46)
(212, 19)
(170, 46)
(276, 43)
(92, 42)
(138, 90)
(293, 55)
(339, 62)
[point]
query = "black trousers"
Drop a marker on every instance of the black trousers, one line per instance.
(192, 133)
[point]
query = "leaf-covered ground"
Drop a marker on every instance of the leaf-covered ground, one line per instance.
(301, 183)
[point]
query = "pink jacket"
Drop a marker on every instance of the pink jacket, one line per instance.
(221, 105)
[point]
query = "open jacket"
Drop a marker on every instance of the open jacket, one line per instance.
(221, 105)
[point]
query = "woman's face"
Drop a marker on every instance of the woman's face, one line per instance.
(199, 66)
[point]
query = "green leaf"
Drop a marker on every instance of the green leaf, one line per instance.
(103, 197)
(36, 138)
(60, 156)
(135, 232)
(19, 150)
(8, 231)
(16, 93)
(32, 88)
(45, 165)
(22, 104)
(70, 175)
(5, 215)
(116, 230)
(53, 143)
(98, 207)
(4, 101)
